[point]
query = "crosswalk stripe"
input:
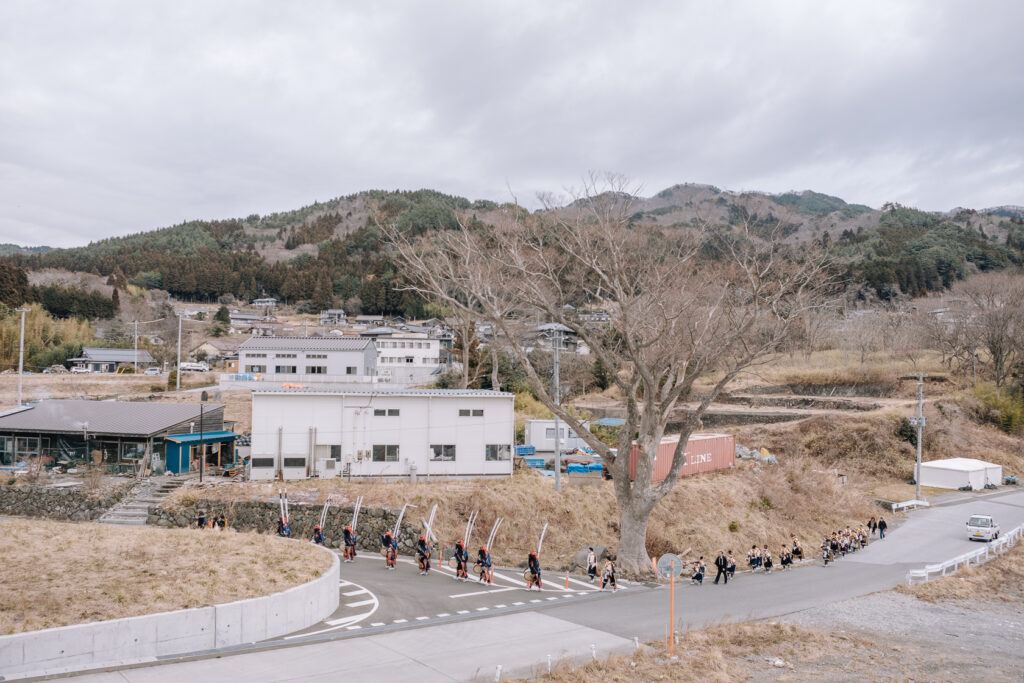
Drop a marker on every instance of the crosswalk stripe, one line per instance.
(361, 591)
(360, 603)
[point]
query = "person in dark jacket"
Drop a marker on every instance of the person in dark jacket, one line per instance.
(882, 526)
(389, 549)
(608, 576)
(731, 568)
(722, 565)
(423, 555)
(533, 571)
(283, 528)
(318, 535)
(461, 559)
(350, 544)
(483, 565)
(201, 521)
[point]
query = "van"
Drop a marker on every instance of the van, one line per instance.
(982, 528)
(195, 367)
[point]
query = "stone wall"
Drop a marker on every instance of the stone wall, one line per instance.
(262, 517)
(73, 503)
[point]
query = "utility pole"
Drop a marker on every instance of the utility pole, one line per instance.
(177, 371)
(135, 358)
(557, 342)
(202, 446)
(919, 421)
(21, 352)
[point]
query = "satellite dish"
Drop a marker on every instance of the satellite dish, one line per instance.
(666, 568)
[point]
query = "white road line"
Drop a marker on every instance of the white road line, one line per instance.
(499, 606)
(401, 621)
(587, 584)
(352, 628)
(344, 583)
(516, 604)
(553, 597)
(361, 603)
(344, 622)
(463, 611)
(377, 623)
(444, 614)
(422, 618)
(482, 609)
(361, 591)
(534, 600)
(492, 590)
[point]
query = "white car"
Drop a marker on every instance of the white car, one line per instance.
(982, 527)
(80, 370)
(152, 371)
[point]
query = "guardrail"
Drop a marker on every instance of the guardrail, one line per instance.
(976, 557)
(908, 504)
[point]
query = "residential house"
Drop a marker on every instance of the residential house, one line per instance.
(107, 360)
(309, 359)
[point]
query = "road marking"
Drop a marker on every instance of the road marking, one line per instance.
(534, 600)
(516, 604)
(463, 611)
(482, 609)
(361, 591)
(587, 584)
(553, 597)
(352, 628)
(361, 603)
(377, 623)
(344, 583)
(499, 606)
(401, 621)
(422, 618)
(483, 592)
(444, 614)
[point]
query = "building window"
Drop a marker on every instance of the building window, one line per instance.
(549, 433)
(478, 412)
(316, 369)
(285, 369)
(294, 462)
(284, 355)
(262, 462)
(410, 359)
(389, 412)
(336, 453)
(463, 413)
(255, 368)
(498, 451)
(350, 370)
(443, 452)
(319, 356)
(385, 453)
(256, 355)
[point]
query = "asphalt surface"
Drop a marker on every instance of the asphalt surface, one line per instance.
(402, 624)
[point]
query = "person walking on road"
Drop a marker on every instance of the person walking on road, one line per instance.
(766, 556)
(872, 526)
(389, 549)
(591, 564)
(461, 558)
(423, 555)
(608, 576)
(722, 565)
(350, 544)
(484, 565)
(882, 526)
(731, 567)
(533, 571)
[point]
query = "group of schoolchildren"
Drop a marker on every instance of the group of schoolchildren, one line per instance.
(218, 523)
(758, 559)
(850, 540)
(607, 574)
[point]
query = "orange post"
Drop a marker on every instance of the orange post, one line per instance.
(672, 609)
(566, 579)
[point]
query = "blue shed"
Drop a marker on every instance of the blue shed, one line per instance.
(179, 450)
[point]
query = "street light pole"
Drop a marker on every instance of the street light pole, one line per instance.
(919, 422)
(177, 371)
(202, 448)
(21, 352)
(135, 357)
(558, 450)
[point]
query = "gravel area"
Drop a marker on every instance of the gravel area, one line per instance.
(946, 641)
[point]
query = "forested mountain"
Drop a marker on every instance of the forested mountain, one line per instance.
(331, 252)
(8, 248)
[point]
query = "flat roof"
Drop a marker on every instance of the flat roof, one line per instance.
(439, 393)
(127, 418)
(962, 464)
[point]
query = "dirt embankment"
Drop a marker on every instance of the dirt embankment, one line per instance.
(58, 574)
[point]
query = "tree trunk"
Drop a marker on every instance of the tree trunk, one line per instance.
(632, 557)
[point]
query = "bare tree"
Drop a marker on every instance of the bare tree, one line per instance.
(994, 312)
(685, 303)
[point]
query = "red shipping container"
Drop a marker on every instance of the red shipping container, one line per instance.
(704, 453)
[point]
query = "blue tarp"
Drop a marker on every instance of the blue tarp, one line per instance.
(610, 422)
(573, 467)
(536, 462)
(526, 450)
(547, 473)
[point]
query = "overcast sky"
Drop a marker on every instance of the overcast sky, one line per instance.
(118, 117)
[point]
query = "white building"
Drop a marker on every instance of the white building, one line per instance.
(381, 433)
(308, 359)
(332, 316)
(541, 435)
(406, 358)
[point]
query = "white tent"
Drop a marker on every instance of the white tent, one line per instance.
(955, 473)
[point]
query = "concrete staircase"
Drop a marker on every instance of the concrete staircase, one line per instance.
(134, 509)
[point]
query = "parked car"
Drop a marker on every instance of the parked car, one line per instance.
(80, 370)
(152, 371)
(982, 527)
(195, 367)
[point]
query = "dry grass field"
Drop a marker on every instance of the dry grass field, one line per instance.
(57, 574)
(763, 506)
(37, 387)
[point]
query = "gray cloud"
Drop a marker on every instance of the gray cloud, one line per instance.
(121, 117)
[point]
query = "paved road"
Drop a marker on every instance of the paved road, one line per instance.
(433, 628)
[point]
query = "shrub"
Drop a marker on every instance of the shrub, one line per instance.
(907, 432)
(1004, 409)
(734, 527)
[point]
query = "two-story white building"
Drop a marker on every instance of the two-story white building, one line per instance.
(308, 359)
(406, 358)
(541, 435)
(298, 433)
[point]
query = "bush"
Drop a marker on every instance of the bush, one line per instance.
(907, 432)
(172, 380)
(1004, 409)
(734, 527)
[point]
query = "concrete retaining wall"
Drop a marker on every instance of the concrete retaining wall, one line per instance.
(62, 503)
(145, 638)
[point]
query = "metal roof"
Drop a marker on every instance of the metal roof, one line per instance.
(305, 344)
(115, 355)
(127, 418)
(323, 390)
